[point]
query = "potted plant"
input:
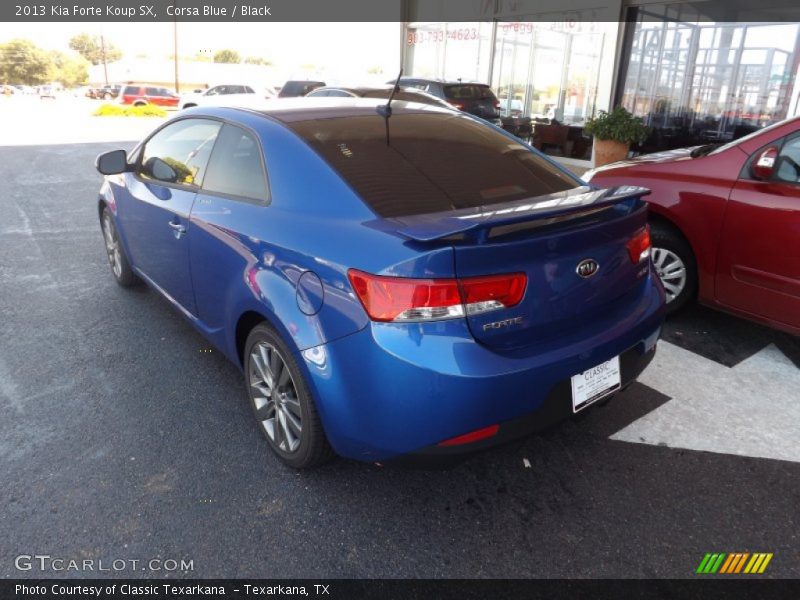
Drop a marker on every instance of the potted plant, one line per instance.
(614, 132)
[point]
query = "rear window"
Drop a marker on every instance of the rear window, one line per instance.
(468, 92)
(432, 162)
(130, 90)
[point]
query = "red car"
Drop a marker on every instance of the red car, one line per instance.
(139, 95)
(725, 222)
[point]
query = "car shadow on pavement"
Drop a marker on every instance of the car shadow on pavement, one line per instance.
(724, 338)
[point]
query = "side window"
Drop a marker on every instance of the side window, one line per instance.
(236, 168)
(339, 94)
(318, 93)
(151, 91)
(787, 165)
(180, 152)
(249, 90)
(217, 89)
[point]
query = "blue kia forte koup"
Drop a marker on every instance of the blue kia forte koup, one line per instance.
(397, 282)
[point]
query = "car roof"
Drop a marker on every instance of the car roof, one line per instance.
(443, 81)
(293, 110)
(356, 89)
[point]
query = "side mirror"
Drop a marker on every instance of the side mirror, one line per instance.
(111, 163)
(161, 170)
(764, 164)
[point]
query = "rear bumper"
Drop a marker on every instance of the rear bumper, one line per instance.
(399, 389)
(556, 407)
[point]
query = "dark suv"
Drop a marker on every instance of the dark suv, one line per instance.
(475, 98)
(107, 92)
(139, 95)
(295, 89)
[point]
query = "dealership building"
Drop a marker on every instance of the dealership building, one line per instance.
(696, 71)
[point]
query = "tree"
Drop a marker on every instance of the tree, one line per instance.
(91, 48)
(257, 60)
(69, 71)
(227, 56)
(22, 62)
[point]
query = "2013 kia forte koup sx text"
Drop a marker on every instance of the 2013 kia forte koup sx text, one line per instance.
(397, 282)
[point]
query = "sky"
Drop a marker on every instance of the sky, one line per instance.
(287, 45)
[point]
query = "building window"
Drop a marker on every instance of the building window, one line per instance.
(696, 81)
(450, 51)
(548, 69)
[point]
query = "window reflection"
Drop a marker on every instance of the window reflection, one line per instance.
(697, 82)
(548, 70)
(179, 153)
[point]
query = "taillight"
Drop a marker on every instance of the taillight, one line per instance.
(482, 294)
(639, 246)
(402, 299)
(458, 105)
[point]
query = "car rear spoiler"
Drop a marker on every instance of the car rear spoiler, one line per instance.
(476, 223)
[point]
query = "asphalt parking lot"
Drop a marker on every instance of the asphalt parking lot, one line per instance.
(123, 437)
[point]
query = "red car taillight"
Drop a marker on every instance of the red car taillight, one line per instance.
(639, 246)
(403, 299)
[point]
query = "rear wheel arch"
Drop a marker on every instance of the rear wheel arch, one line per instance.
(248, 320)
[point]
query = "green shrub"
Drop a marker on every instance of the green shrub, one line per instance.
(148, 110)
(619, 125)
(109, 110)
(116, 110)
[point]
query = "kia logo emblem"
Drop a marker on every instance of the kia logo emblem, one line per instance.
(587, 267)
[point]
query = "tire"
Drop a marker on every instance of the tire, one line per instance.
(190, 105)
(675, 264)
(140, 103)
(120, 267)
(264, 353)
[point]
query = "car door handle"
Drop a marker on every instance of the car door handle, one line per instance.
(178, 228)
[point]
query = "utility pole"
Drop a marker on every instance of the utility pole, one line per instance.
(175, 50)
(103, 52)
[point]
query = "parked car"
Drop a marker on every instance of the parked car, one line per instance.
(107, 92)
(220, 95)
(725, 221)
(407, 94)
(47, 91)
(25, 90)
(295, 89)
(420, 286)
(475, 98)
(140, 95)
(8, 90)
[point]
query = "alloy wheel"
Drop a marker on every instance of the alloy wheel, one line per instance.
(275, 399)
(671, 270)
(112, 246)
